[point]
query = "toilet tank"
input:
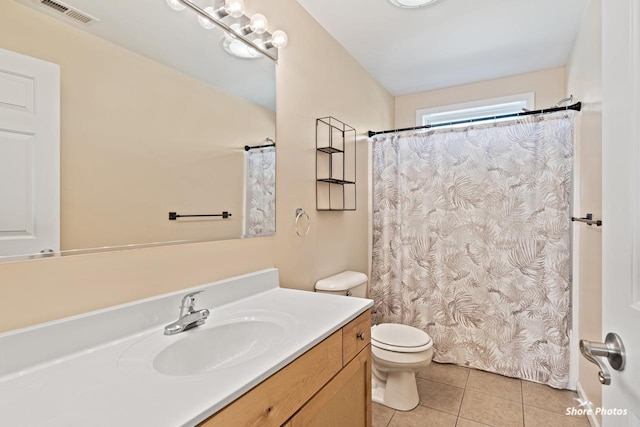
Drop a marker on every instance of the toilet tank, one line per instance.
(349, 283)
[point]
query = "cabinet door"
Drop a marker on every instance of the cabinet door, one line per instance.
(273, 401)
(344, 401)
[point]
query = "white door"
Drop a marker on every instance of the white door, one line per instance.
(29, 155)
(621, 203)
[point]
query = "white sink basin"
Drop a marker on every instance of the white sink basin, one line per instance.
(224, 341)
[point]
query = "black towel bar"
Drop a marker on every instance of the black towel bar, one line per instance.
(173, 216)
(588, 219)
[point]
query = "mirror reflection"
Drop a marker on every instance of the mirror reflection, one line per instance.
(260, 189)
(155, 115)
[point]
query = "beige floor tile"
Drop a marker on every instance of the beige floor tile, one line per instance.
(535, 417)
(488, 400)
(491, 410)
(445, 373)
(381, 415)
(495, 385)
(463, 422)
(443, 397)
(421, 417)
(545, 397)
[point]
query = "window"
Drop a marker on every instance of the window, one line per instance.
(472, 110)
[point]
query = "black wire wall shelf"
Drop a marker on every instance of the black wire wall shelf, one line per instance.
(335, 171)
(329, 150)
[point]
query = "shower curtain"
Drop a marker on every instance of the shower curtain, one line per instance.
(260, 189)
(471, 242)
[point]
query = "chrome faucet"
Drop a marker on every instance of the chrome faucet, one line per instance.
(189, 317)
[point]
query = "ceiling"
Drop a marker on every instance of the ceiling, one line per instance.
(452, 42)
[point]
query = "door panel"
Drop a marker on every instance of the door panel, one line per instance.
(16, 91)
(16, 182)
(29, 155)
(621, 203)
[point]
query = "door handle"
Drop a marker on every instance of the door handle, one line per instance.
(612, 348)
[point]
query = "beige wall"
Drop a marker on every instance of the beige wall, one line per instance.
(307, 88)
(138, 139)
(548, 86)
(584, 81)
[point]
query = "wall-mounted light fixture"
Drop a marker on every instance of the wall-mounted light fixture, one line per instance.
(244, 37)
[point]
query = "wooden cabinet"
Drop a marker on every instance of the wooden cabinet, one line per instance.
(344, 401)
(329, 385)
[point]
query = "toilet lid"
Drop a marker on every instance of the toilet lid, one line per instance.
(401, 338)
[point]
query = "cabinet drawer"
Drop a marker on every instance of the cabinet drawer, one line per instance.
(355, 336)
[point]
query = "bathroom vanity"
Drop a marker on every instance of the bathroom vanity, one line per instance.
(265, 356)
(328, 385)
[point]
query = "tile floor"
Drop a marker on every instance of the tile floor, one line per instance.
(455, 396)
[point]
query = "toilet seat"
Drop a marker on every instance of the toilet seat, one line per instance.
(400, 338)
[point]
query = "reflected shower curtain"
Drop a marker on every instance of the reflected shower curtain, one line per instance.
(471, 242)
(260, 183)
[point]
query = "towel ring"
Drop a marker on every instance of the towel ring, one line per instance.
(299, 214)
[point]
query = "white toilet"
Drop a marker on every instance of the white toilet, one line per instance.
(398, 351)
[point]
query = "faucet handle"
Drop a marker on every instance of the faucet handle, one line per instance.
(188, 302)
(191, 294)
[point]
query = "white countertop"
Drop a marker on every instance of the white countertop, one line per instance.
(72, 386)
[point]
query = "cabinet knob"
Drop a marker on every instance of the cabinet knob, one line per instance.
(361, 336)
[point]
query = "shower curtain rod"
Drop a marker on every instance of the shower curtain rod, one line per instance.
(576, 107)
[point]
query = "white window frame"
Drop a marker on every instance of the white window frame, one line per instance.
(476, 109)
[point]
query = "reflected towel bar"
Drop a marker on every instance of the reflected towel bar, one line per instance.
(588, 219)
(173, 216)
(270, 143)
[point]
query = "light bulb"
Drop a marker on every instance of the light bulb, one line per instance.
(235, 8)
(258, 23)
(176, 5)
(204, 22)
(279, 39)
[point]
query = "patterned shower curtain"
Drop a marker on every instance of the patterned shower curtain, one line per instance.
(260, 182)
(471, 242)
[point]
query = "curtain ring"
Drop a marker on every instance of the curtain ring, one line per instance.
(299, 214)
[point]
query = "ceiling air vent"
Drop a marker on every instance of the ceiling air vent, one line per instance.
(69, 11)
(54, 5)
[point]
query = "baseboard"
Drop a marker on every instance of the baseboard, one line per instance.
(591, 415)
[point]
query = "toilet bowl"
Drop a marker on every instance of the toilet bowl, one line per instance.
(398, 351)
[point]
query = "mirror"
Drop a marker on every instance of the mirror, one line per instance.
(154, 118)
